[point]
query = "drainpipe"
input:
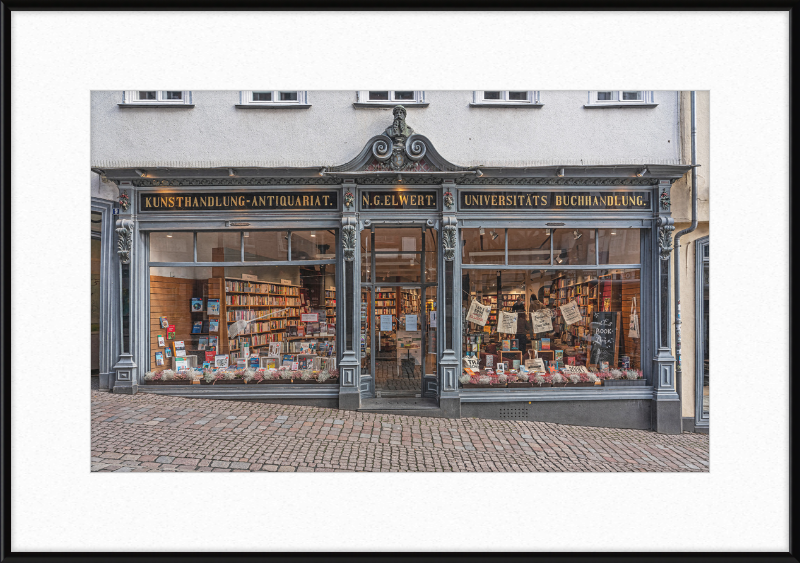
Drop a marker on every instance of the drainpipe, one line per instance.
(677, 246)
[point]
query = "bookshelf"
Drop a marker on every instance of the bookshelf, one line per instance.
(247, 300)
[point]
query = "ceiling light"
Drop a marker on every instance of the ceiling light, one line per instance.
(560, 172)
(559, 260)
(169, 235)
(641, 172)
(247, 234)
(613, 231)
(313, 236)
(230, 172)
(494, 235)
(481, 230)
(576, 234)
(141, 173)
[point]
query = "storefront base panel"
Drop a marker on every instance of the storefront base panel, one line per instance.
(325, 398)
(690, 426)
(633, 414)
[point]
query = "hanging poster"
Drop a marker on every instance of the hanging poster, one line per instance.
(574, 369)
(470, 362)
(571, 313)
(478, 313)
(386, 323)
(433, 319)
(411, 322)
(507, 322)
(542, 320)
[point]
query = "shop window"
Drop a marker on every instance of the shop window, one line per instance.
(288, 315)
(573, 247)
(505, 97)
(172, 246)
(529, 246)
(313, 245)
(222, 246)
(263, 246)
(483, 246)
(157, 97)
(598, 339)
(619, 246)
(701, 371)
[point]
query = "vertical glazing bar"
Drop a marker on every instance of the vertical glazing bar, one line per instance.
(597, 247)
(506, 252)
(289, 244)
(241, 246)
(551, 245)
(194, 245)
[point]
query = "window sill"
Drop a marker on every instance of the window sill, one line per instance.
(389, 105)
(504, 105)
(135, 105)
(617, 105)
(273, 106)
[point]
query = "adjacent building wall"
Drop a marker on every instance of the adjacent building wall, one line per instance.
(682, 212)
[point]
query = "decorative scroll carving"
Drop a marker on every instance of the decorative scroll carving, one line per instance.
(124, 240)
(349, 242)
(449, 242)
(665, 241)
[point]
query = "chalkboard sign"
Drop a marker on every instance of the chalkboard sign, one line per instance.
(604, 338)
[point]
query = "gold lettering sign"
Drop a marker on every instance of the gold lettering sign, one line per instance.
(398, 199)
(585, 200)
(327, 200)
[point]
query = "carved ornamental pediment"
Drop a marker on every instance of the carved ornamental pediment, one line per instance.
(399, 149)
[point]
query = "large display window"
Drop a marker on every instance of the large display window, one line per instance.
(553, 324)
(229, 323)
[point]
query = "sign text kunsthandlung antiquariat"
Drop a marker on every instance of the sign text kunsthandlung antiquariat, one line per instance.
(556, 200)
(250, 201)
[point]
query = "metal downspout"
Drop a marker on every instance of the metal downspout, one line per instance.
(677, 247)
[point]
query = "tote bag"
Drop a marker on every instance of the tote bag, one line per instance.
(633, 330)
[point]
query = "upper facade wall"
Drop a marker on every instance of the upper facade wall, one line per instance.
(332, 131)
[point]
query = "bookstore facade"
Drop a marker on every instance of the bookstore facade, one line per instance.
(534, 294)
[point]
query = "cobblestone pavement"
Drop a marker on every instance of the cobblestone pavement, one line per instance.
(149, 432)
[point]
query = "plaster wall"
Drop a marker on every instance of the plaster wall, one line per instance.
(332, 131)
(681, 192)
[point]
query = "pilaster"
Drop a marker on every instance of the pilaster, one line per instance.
(449, 289)
(126, 370)
(666, 403)
(350, 364)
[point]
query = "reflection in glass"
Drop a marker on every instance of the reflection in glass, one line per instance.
(483, 246)
(314, 245)
(264, 246)
(573, 247)
(174, 246)
(619, 246)
(225, 246)
(529, 246)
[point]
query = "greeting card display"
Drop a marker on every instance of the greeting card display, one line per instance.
(213, 306)
(197, 304)
(161, 341)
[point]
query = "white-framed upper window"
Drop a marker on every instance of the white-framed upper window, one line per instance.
(274, 97)
(161, 97)
(620, 97)
(391, 97)
(508, 97)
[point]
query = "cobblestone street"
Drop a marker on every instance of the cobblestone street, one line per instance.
(148, 432)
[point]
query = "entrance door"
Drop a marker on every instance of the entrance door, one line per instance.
(398, 294)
